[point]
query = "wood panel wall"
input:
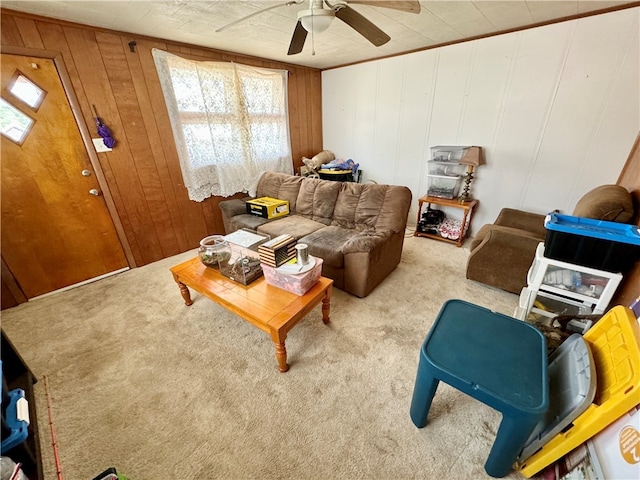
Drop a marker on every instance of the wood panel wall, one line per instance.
(142, 172)
(629, 178)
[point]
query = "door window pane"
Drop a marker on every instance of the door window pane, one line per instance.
(14, 124)
(27, 91)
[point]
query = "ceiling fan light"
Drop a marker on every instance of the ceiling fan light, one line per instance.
(316, 20)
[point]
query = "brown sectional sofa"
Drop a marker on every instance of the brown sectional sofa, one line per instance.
(357, 229)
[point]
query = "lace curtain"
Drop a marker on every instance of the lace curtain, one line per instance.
(230, 123)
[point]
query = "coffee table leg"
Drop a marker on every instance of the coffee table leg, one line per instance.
(281, 356)
(184, 291)
(326, 306)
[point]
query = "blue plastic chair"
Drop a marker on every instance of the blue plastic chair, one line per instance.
(493, 358)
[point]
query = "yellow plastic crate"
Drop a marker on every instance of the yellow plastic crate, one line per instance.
(614, 342)
(268, 207)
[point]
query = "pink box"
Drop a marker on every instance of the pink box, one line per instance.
(298, 284)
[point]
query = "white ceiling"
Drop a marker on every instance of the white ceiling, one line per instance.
(268, 34)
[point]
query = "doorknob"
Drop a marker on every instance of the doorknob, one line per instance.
(94, 191)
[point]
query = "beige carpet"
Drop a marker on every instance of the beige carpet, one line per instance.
(159, 390)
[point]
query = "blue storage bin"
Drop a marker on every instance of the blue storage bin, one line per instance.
(609, 246)
(16, 420)
(15, 417)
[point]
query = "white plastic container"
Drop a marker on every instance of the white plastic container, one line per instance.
(436, 167)
(298, 284)
(443, 186)
(448, 153)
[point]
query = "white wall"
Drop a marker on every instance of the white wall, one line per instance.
(555, 108)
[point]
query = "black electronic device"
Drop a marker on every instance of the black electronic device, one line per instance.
(430, 221)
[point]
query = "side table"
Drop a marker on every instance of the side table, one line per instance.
(468, 207)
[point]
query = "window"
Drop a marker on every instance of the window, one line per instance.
(230, 123)
(14, 124)
(26, 90)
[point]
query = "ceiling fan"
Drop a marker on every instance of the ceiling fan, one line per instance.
(317, 18)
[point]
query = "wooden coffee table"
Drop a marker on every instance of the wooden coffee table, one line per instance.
(271, 309)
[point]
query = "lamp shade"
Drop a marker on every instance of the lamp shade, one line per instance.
(473, 156)
(316, 20)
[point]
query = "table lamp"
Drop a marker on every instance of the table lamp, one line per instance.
(472, 157)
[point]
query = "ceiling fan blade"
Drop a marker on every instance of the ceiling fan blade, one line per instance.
(361, 25)
(410, 6)
(297, 41)
(240, 20)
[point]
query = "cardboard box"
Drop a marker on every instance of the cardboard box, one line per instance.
(268, 207)
(617, 447)
(614, 453)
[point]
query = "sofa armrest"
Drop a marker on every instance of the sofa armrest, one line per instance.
(368, 259)
(503, 259)
(233, 207)
(365, 242)
(527, 221)
(230, 209)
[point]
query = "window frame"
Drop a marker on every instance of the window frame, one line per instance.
(229, 139)
(14, 78)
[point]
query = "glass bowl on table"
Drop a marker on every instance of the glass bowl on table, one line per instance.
(212, 248)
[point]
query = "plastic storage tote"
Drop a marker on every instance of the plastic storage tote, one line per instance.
(298, 284)
(443, 186)
(436, 167)
(609, 246)
(448, 153)
(614, 342)
(572, 388)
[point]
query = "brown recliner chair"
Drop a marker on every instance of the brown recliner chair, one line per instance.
(502, 252)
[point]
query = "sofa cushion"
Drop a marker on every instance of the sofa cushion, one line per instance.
(371, 206)
(612, 203)
(344, 214)
(295, 225)
(394, 209)
(486, 229)
(358, 206)
(327, 243)
(317, 199)
(245, 220)
(280, 186)
(366, 241)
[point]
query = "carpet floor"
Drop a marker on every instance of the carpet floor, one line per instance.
(140, 382)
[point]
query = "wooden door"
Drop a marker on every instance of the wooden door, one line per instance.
(55, 233)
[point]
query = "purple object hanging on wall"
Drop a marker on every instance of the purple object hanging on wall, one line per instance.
(103, 130)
